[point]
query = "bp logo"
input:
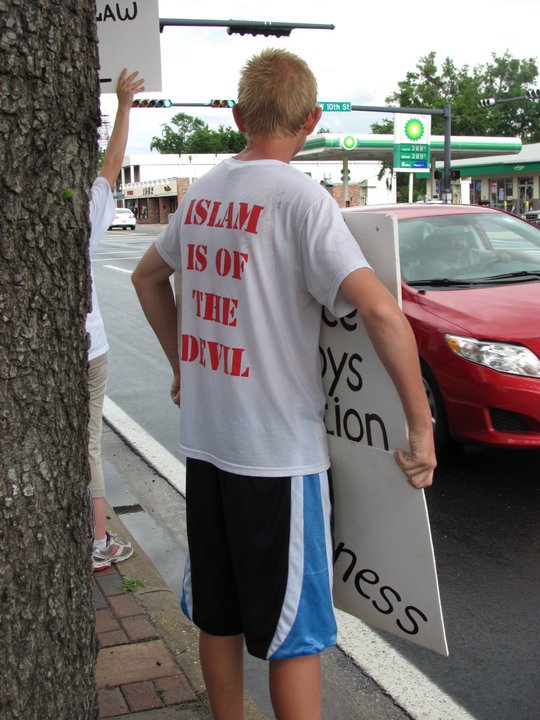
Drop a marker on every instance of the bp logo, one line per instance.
(414, 129)
(348, 142)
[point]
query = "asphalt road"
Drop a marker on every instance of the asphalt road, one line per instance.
(485, 519)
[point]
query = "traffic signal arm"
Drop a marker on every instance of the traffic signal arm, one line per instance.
(243, 27)
(533, 94)
(151, 103)
(159, 103)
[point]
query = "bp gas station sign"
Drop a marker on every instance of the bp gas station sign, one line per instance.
(412, 140)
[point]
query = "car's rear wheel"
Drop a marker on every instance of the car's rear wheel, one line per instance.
(438, 413)
(133, 227)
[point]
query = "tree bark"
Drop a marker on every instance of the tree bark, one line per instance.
(49, 114)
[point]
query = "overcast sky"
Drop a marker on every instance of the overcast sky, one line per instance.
(362, 60)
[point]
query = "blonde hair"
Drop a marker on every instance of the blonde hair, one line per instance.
(276, 93)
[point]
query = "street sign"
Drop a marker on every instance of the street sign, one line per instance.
(335, 106)
(128, 35)
(412, 138)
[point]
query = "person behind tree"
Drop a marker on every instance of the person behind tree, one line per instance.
(107, 547)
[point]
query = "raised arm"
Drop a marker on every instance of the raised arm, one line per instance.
(394, 342)
(127, 86)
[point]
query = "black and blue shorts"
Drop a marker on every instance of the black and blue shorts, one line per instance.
(260, 560)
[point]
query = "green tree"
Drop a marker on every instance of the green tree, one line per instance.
(174, 139)
(48, 134)
(233, 140)
(429, 86)
(509, 77)
(194, 136)
(222, 140)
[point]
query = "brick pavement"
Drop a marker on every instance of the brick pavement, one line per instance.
(148, 659)
(136, 674)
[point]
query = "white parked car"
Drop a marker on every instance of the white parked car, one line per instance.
(124, 218)
(533, 216)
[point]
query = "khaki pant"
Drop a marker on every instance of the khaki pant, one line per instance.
(97, 384)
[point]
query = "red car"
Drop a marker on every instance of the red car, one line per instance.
(471, 291)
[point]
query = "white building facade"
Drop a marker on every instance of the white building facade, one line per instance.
(153, 184)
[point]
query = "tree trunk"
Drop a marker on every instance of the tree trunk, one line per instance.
(49, 115)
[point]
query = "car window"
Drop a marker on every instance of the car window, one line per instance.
(508, 235)
(467, 247)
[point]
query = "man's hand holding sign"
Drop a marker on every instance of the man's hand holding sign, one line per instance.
(388, 329)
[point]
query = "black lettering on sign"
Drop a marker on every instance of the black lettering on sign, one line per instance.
(385, 599)
(408, 610)
(346, 322)
(351, 364)
(114, 12)
(352, 425)
(342, 372)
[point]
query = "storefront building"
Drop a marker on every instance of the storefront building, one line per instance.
(153, 200)
(153, 185)
(510, 182)
(507, 176)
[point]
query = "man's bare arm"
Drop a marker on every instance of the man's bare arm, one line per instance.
(127, 86)
(151, 279)
(394, 342)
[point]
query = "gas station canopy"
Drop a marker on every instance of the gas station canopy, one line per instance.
(327, 146)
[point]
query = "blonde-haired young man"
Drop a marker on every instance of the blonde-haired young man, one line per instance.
(261, 248)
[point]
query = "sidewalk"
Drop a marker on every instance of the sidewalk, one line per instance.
(148, 662)
(147, 666)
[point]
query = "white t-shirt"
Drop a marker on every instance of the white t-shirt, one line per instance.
(102, 209)
(261, 247)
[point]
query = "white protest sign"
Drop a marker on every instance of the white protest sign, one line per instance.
(128, 34)
(384, 571)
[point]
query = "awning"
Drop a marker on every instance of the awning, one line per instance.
(327, 146)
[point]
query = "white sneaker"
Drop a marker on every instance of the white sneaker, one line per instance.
(115, 551)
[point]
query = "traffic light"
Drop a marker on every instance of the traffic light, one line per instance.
(486, 102)
(438, 175)
(153, 103)
(346, 175)
(264, 28)
(533, 94)
(455, 174)
(222, 103)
